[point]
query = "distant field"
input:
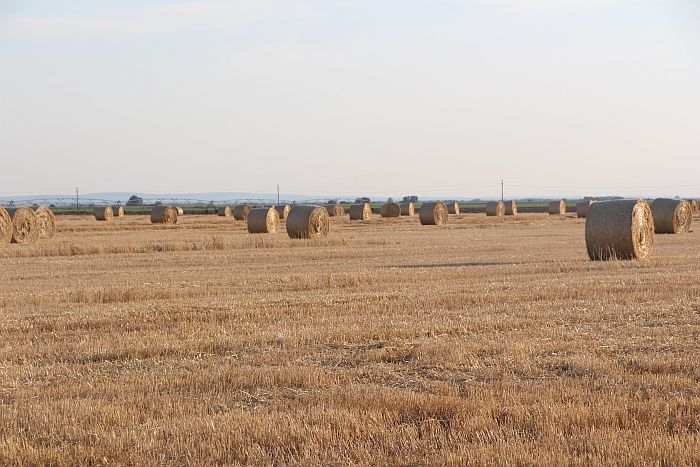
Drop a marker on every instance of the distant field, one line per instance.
(486, 341)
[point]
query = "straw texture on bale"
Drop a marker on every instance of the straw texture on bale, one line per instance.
(24, 225)
(433, 214)
(695, 206)
(224, 211)
(5, 227)
(241, 211)
(495, 208)
(118, 211)
(407, 209)
(308, 222)
(390, 210)
(360, 212)
(263, 220)
(511, 208)
(180, 211)
(621, 229)
(335, 210)
(582, 208)
(557, 208)
(45, 223)
(103, 213)
(453, 207)
(671, 216)
(164, 215)
(283, 210)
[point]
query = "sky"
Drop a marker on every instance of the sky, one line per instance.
(438, 98)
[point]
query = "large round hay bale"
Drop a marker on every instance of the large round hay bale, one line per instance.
(453, 207)
(495, 208)
(283, 210)
(511, 208)
(433, 214)
(24, 225)
(263, 220)
(45, 222)
(557, 208)
(621, 229)
(335, 210)
(164, 215)
(241, 211)
(671, 216)
(5, 227)
(390, 210)
(407, 209)
(582, 208)
(118, 211)
(308, 222)
(103, 213)
(224, 211)
(360, 212)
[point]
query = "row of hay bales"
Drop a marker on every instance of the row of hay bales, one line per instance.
(26, 225)
(159, 214)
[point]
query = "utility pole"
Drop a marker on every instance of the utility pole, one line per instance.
(278, 193)
(77, 199)
(502, 200)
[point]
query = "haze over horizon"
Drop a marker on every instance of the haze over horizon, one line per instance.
(385, 97)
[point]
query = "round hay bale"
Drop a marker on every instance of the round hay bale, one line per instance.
(695, 206)
(308, 222)
(263, 220)
(453, 207)
(180, 211)
(5, 227)
(407, 209)
(46, 222)
(390, 210)
(557, 208)
(495, 208)
(511, 209)
(241, 211)
(224, 211)
(621, 229)
(335, 210)
(582, 208)
(360, 212)
(24, 225)
(103, 213)
(283, 210)
(433, 214)
(118, 211)
(671, 216)
(164, 215)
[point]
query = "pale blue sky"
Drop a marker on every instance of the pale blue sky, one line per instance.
(377, 97)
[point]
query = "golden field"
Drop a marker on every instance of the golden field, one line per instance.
(484, 341)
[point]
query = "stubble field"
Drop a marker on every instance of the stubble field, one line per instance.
(483, 341)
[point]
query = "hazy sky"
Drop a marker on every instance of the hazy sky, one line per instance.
(432, 97)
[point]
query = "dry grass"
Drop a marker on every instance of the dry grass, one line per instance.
(489, 340)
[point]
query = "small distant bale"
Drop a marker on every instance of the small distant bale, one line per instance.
(511, 208)
(621, 229)
(407, 209)
(495, 208)
(103, 213)
(671, 216)
(224, 211)
(263, 220)
(164, 215)
(582, 208)
(452, 207)
(118, 211)
(695, 205)
(24, 225)
(433, 214)
(241, 211)
(283, 210)
(308, 222)
(360, 212)
(5, 227)
(390, 210)
(335, 210)
(45, 222)
(180, 211)
(557, 208)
